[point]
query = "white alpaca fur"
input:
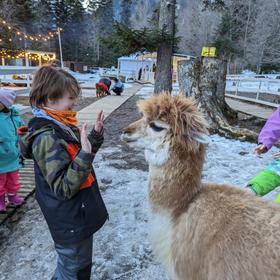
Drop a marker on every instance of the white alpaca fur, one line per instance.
(157, 154)
(156, 145)
(161, 233)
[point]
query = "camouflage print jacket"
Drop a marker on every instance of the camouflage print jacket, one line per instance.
(66, 187)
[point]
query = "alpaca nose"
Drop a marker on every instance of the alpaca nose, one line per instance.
(127, 130)
(127, 135)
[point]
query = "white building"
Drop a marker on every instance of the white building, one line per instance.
(136, 68)
(142, 66)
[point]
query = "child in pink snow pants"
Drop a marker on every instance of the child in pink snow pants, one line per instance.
(9, 153)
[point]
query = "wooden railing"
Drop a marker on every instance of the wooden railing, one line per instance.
(265, 91)
(25, 74)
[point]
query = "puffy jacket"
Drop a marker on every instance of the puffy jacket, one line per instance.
(270, 133)
(9, 152)
(73, 209)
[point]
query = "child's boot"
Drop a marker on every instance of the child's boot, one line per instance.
(2, 203)
(15, 199)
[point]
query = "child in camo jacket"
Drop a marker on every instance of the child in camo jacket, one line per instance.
(66, 186)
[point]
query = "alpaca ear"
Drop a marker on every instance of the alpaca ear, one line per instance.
(201, 138)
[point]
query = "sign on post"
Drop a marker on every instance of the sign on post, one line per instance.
(208, 52)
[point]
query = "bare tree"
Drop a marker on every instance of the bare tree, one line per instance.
(247, 28)
(196, 26)
(258, 40)
(142, 12)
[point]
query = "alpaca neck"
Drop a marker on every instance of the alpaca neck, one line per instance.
(174, 185)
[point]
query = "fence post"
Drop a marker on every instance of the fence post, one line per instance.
(258, 92)
(28, 80)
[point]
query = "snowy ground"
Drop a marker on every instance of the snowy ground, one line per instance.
(122, 250)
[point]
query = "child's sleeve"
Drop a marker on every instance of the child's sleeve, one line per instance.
(96, 140)
(63, 175)
(270, 133)
(23, 141)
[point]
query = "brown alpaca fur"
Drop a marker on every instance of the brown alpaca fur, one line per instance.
(203, 231)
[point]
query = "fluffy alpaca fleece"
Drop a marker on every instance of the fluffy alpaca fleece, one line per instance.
(200, 231)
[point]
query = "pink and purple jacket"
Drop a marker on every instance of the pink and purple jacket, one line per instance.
(270, 133)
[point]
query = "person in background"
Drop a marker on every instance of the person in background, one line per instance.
(107, 82)
(10, 121)
(269, 178)
(118, 86)
(103, 87)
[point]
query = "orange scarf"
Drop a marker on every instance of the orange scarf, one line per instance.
(68, 118)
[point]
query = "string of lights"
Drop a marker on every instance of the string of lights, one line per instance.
(17, 54)
(25, 36)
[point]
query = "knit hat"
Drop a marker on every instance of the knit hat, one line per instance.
(7, 97)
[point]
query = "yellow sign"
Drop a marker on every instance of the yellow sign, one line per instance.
(208, 51)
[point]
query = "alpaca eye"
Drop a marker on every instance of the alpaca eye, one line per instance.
(155, 127)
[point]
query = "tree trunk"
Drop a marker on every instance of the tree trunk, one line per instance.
(205, 81)
(246, 31)
(184, 69)
(164, 54)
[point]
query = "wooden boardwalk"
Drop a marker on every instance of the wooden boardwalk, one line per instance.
(27, 188)
(250, 108)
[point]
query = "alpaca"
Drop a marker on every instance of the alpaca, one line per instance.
(200, 231)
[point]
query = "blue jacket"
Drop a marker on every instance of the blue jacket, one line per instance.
(118, 85)
(9, 152)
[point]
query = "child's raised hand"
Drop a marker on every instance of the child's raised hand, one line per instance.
(261, 149)
(99, 122)
(86, 146)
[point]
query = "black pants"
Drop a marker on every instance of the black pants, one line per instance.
(74, 261)
(117, 91)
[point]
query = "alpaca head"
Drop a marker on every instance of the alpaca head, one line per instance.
(169, 126)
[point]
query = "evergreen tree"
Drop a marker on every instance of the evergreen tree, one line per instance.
(20, 14)
(226, 38)
(5, 34)
(24, 13)
(103, 18)
(94, 5)
(69, 15)
(126, 40)
(235, 27)
(214, 4)
(160, 36)
(43, 23)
